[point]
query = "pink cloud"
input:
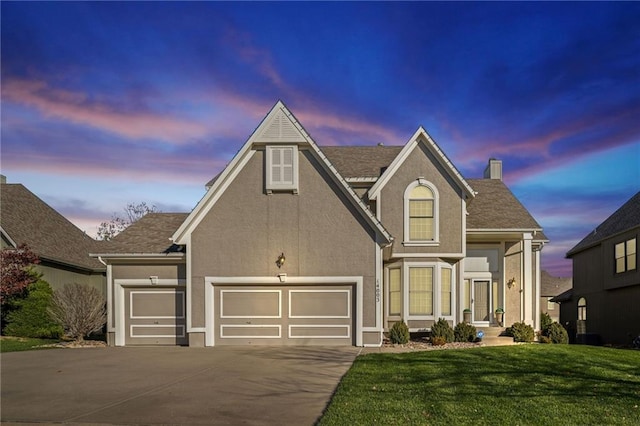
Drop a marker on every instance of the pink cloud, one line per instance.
(78, 108)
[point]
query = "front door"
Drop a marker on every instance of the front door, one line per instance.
(480, 301)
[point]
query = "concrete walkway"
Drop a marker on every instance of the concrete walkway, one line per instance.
(172, 385)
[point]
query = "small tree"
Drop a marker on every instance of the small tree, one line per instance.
(133, 212)
(30, 316)
(16, 273)
(80, 309)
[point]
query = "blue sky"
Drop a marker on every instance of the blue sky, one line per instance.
(106, 103)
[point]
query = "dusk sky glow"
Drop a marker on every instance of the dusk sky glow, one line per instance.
(105, 104)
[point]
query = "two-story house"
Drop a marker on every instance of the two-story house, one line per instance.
(294, 244)
(602, 306)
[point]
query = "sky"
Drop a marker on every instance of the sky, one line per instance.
(109, 103)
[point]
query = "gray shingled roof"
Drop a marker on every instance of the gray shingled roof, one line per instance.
(625, 218)
(361, 161)
(28, 220)
(495, 207)
(551, 286)
(150, 235)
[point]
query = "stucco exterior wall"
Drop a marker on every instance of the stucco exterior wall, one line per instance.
(420, 163)
(318, 231)
(513, 295)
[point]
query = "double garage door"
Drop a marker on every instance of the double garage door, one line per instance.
(284, 315)
(155, 316)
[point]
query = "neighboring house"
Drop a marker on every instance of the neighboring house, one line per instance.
(294, 244)
(63, 249)
(550, 287)
(603, 306)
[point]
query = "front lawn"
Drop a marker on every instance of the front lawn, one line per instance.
(518, 385)
(14, 344)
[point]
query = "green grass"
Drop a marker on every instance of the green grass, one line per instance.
(14, 344)
(513, 385)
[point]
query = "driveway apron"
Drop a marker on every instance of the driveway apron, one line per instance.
(172, 385)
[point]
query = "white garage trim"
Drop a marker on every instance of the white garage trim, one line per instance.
(223, 292)
(181, 327)
(119, 296)
(308, 336)
(178, 292)
(211, 282)
(348, 304)
(243, 336)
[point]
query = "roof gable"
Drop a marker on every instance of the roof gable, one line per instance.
(623, 219)
(420, 137)
(278, 127)
(26, 219)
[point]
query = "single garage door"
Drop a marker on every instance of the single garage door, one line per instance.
(284, 315)
(155, 316)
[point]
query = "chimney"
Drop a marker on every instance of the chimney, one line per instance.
(493, 169)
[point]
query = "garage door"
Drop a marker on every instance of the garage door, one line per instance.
(155, 316)
(284, 315)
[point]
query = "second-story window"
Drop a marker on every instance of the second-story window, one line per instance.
(421, 213)
(625, 254)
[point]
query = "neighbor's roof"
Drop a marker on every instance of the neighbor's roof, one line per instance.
(361, 161)
(149, 235)
(495, 207)
(26, 219)
(551, 286)
(623, 219)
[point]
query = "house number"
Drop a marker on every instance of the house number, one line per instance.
(377, 291)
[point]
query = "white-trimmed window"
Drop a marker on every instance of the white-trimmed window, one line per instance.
(625, 254)
(421, 213)
(282, 168)
(551, 306)
(446, 292)
(395, 293)
(421, 291)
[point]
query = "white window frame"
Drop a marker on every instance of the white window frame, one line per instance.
(436, 215)
(437, 290)
(388, 288)
(272, 185)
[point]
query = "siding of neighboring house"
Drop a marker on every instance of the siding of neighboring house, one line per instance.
(612, 299)
(63, 249)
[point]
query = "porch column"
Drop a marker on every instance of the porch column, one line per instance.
(527, 279)
(537, 284)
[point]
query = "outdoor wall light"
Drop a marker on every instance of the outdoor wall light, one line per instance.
(154, 279)
(280, 260)
(511, 282)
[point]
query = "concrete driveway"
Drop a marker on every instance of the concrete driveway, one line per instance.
(172, 385)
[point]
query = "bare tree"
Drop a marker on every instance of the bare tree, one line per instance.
(80, 309)
(118, 223)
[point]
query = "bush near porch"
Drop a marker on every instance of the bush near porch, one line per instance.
(524, 384)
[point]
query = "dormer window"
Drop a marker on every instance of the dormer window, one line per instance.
(282, 168)
(421, 214)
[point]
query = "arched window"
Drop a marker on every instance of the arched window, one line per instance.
(582, 309)
(421, 213)
(582, 316)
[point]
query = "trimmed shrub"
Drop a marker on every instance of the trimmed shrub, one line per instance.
(521, 332)
(542, 338)
(442, 329)
(399, 333)
(30, 316)
(438, 341)
(464, 332)
(545, 322)
(556, 333)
